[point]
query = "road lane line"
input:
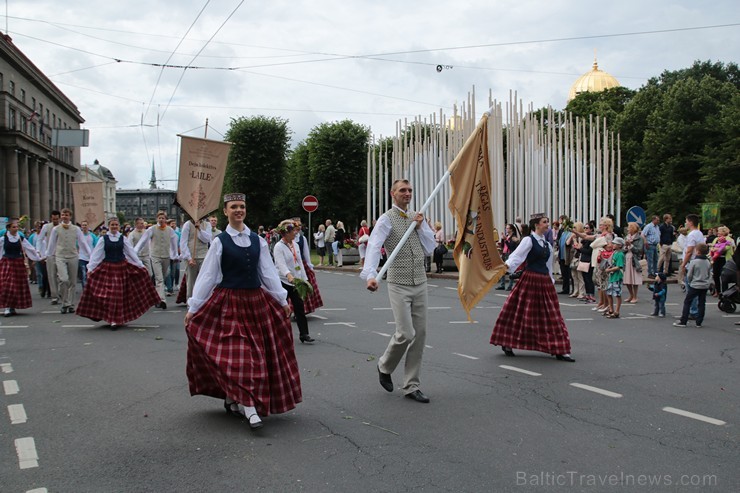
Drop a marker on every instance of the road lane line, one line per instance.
(597, 390)
(577, 319)
(77, 326)
(348, 324)
(15, 326)
(17, 414)
(317, 316)
(2, 342)
(143, 326)
(465, 356)
(332, 309)
(383, 308)
(38, 490)
(430, 347)
(50, 311)
(6, 367)
(447, 287)
(463, 322)
(438, 308)
(432, 285)
(502, 295)
(26, 450)
(381, 334)
(11, 387)
(691, 415)
(520, 370)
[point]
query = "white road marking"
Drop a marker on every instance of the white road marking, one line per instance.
(432, 285)
(332, 309)
(430, 347)
(50, 311)
(383, 308)
(520, 370)
(77, 326)
(317, 316)
(10, 387)
(38, 490)
(597, 390)
(17, 414)
(731, 316)
(577, 319)
(641, 315)
(6, 367)
(438, 308)
(382, 334)
(447, 287)
(502, 295)
(143, 326)
(691, 415)
(15, 326)
(348, 324)
(2, 342)
(487, 307)
(465, 356)
(26, 450)
(463, 322)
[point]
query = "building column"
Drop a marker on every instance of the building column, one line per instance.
(11, 179)
(44, 188)
(33, 173)
(24, 192)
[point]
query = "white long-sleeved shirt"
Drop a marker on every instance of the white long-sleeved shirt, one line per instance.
(204, 235)
(306, 251)
(146, 239)
(288, 261)
(380, 233)
(31, 252)
(98, 254)
(82, 244)
(42, 239)
(518, 256)
(210, 272)
(90, 243)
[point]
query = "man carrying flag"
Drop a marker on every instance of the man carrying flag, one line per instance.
(407, 287)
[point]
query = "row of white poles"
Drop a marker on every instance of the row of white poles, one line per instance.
(549, 162)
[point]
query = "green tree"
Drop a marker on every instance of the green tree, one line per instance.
(256, 164)
(296, 184)
(607, 104)
(337, 161)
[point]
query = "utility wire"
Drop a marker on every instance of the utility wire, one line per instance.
(196, 56)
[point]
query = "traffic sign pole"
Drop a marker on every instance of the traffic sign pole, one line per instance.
(310, 204)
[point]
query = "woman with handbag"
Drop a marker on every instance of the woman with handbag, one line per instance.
(635, 247)
(363, 235)
(440, 249)
(585, 268)
(579, 287)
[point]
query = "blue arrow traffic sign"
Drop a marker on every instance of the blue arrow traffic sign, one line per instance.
(636, 214)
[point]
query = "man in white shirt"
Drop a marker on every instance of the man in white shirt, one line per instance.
(407, 287)
(693, 238)
(65, 244)
(51, 267)
(329, 235)
(162, 242)
(92, 240)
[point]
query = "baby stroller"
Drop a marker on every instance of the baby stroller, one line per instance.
(729, 295)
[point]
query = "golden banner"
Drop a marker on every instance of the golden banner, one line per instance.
(201, 177)
(89, 203)
(477, 258)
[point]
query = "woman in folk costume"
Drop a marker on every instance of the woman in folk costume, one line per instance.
(313, 301)
(118, 288)
(530, 318)
(14, 290)
(240, 342)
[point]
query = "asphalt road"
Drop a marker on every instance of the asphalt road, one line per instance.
(110, 411)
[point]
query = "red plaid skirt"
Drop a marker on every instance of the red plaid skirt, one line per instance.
(182, 293)
(240, 347)
(117, 292)
(313, 301)
(531, 319)
(14, 291)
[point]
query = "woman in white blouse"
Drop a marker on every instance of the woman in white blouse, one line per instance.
(14, 291)
(290, 267)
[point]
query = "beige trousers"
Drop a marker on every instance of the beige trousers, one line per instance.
(409, 305)
(192, 272)
(664, 261)
(67, 275)
(147, 261)
(160, 267)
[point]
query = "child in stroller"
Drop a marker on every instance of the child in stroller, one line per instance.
(729, 293)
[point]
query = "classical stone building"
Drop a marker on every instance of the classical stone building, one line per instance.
(34, 175)
(98, 172)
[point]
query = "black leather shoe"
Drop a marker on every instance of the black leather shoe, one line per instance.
(231, 411)
(565, 357)
(418, 396)
(307, 339)
(507, 351)
(70, 310)
(64, 309)
(385, 380)
(163, 305)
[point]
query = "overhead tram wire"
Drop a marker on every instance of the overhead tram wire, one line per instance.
(161, 71)
(196, 56)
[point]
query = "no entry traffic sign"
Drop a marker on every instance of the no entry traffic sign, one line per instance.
(310, 203)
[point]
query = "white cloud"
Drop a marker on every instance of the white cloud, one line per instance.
(262, 33)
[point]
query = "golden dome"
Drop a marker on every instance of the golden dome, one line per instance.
(594, 81)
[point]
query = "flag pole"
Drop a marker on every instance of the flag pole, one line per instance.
(424, 207)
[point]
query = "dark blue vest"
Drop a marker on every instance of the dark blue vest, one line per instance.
(240, 265)
(538, 257)
(113, 250)
(13, 250)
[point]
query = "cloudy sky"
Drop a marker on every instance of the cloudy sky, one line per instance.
(321, 61)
